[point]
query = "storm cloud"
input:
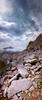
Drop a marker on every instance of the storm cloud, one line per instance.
(20, 22)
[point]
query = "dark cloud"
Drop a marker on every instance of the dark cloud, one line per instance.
(27, 14)
(33, 24)
(27, 6)
(2, 40)
(3, 29)
(20, 14)
(20, 29)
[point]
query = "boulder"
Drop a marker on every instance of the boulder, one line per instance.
(13, 68)
(40, 58)
(38, 68)
(14, 97)
(32, 59)
(18, 86)
(23, 72)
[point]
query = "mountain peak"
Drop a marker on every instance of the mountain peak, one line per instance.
(36, 44)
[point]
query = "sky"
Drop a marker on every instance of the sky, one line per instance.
(20, 22)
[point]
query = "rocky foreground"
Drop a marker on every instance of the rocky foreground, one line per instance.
(21, 76)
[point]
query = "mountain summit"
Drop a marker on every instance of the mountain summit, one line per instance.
(36, 44)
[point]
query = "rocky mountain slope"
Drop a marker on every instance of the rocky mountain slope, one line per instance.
(36, 44)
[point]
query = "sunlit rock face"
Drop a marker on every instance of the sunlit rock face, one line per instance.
(20, 23)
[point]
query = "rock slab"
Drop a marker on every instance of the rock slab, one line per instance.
(18, 85)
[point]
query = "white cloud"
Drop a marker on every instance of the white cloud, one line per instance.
(6, 23)
(5, 6)
(4, 36)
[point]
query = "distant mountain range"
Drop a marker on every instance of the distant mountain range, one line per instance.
(9, 49)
